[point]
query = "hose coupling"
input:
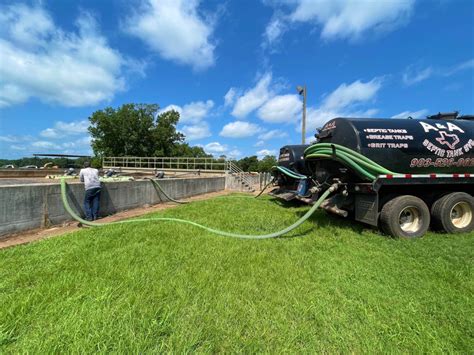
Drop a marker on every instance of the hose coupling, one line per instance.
(334, 187)
(314, 190)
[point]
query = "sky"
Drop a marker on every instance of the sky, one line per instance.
(229, 67)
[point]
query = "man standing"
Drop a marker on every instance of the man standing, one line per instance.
(90, 177)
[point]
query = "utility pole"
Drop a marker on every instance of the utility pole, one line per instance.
(302, 91)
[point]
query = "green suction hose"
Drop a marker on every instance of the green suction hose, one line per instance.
(289, 172)
(215, 231)
(264, 188)
(155, 183)
(365, 167)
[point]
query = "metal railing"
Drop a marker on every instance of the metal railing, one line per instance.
(209, 165)
(166, 163)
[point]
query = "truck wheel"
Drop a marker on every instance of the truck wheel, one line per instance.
(405, 216)
(454, 213)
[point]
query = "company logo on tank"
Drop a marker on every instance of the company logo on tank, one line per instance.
(446, 139)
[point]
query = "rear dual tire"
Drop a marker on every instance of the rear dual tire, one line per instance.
(409, 217)
(454, 213)
(405, 217)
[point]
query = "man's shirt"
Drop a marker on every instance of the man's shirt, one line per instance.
(90, 178)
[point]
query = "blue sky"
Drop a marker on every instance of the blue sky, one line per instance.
(230, 67)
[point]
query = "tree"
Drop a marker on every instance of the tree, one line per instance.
(133, 130)
(248, 163)
(253, 164)
(128, 130)
(185, 150)
(265, 165)
(165, 135)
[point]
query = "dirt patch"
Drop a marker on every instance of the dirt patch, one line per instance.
(68, 227)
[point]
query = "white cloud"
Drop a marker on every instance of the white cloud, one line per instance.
(229, 97)
(412, 114)
(215, 148)
(345, 19)
(273, 134)
(196, 111)
(469, 64)
(49, 133)
(346, 95)
(40, 60)
(275, 28)
(271, 107)
(175, 30)
(317, 117)
(83, 142)
(45, 144)
(264, 152)
(344, 101)
(259, 144)
(353, 18)
(254, 97)
(197, 131)
(280, 109)
(412, 76)
(172, 107)
(76, 145)
(193, 112)
(239, 129)
(62, 129)
(10, 139)
(193, 116)
(234, 154)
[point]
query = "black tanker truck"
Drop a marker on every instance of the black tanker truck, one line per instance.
(401, 175)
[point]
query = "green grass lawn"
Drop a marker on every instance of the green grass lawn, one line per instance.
(331, 285)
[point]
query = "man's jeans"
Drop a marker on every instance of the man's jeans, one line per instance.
(91, 203)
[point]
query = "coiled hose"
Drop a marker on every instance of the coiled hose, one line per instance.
(365, 167)
(212, 230)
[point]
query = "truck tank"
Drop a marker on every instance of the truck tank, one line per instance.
(408, 146)
(292, 157)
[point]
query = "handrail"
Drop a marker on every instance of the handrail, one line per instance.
(179, 163)
(185, 163)
(237, 171)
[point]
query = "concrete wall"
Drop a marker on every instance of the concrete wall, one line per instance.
(19, 173)
(24, 207)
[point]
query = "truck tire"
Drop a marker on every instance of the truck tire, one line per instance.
(405, 216)
(454, 213)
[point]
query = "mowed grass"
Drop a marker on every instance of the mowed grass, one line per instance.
(330, 286)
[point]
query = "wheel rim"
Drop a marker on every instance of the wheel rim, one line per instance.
(410, 219)
(461, 214)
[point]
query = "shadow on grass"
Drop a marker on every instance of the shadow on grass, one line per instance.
(283, 203)
(324, 219)
(320, 218)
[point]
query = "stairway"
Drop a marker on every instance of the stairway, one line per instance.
(241, 177)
